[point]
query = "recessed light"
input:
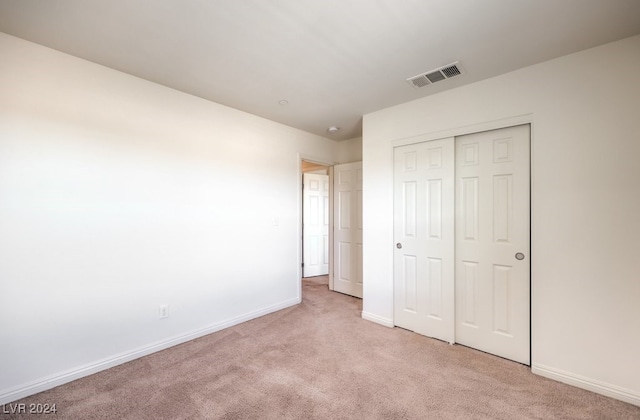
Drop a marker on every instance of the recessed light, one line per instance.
(283, 102)
(333, 129)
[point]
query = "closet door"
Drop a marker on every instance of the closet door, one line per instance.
(492, 242)
(424, 238)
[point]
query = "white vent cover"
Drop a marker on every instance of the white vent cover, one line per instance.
(433, 76)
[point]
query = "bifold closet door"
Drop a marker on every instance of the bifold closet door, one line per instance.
(492, 242)
(424, 238)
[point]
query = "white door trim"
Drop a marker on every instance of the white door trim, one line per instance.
(466, 129)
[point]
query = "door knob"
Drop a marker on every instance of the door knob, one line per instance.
(399, 245)
(519, 256)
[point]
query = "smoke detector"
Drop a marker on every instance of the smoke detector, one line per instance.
(436, 75)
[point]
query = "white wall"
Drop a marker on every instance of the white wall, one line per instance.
(348, 151)
(585, 113)
(118, 195)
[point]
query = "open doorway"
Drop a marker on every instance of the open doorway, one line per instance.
(340, 245)
(316, 215)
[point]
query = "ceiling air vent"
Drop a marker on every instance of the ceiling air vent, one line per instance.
(433, 76)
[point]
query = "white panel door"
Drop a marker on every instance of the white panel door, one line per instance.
(424, 238)
(347, 249)
(492, 242)
(315, 221)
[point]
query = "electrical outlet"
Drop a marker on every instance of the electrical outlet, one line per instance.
(164, 311)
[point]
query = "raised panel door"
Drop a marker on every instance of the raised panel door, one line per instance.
(493, 226)
(347, 277)
(315, 220)
(424, 238)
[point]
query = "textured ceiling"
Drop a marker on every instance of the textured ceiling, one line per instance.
(332, 60)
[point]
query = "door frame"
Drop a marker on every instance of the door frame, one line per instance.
(329, 164)
(478, 128)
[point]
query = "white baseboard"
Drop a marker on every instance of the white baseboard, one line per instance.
(377, 319)
(589, 384)
(22, 391)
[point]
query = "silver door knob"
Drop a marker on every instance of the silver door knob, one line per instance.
(519, 256)
(399, 245)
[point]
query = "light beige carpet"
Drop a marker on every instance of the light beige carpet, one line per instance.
(320, 360)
